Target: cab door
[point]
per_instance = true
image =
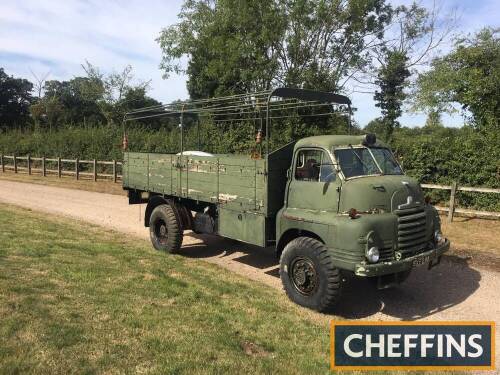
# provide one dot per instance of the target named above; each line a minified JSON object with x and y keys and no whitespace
{"x":314,"y":183}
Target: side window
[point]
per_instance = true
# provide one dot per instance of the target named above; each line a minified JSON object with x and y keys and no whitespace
{"x":314,"y":165}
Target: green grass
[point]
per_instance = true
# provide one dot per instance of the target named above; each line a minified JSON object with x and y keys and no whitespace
{"x":75,"y":298}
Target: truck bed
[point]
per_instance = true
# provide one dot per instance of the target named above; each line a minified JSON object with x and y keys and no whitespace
{"x":243,"y":188}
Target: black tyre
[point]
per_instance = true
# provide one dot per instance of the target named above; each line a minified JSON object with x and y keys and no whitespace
{"x":165,"y":229}
{"x":308,"y":274}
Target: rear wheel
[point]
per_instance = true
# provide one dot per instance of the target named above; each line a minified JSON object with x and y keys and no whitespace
{"x":308,"y":274}
{"x":165,"y":229}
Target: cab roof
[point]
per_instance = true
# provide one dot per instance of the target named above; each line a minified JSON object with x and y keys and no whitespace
{"x":330,"y":141}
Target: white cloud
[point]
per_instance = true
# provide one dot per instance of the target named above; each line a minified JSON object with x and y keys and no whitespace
{"x":58,"y":36}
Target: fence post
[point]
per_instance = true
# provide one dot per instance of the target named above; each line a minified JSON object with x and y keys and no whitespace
{"x":29,"y":164}
{"x":44,"y":170}
{"x":95,"y":170}
{"x":452,"y":201}
{"x":1,"y":161}
{"x":114,"y":170}
{"x":59,"y":167}
{"x":15,"y":164}
{"x":77,"y":171}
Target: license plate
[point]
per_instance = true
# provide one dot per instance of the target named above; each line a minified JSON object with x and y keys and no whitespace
{"x":421,"y":261}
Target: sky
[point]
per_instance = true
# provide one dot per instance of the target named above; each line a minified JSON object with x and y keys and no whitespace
{"x":56,"y":37}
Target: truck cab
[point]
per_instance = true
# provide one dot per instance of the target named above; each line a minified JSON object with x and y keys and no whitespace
{"x":348,"y":197}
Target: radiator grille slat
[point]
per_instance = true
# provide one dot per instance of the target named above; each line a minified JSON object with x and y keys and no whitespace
{"x":411,"y":230}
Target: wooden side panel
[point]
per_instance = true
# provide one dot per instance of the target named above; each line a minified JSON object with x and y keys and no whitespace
{"x":160,"y":173}
{"x":235,"y":182}
{"x":136,"y":166}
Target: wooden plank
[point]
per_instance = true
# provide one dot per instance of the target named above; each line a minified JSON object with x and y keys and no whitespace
{"x":59,"y":167}
{"x":478,"y":189}
{"x":44,"y":169}
{"x":15,"y":164}
{"x":461,"y":188}
{"x":452,"y":202}
{"x":467,"y":212}
{"x":95,"y":170}
{"x":114,"y":170}
{"x":77,"y":169}
{"x":434,"y":186}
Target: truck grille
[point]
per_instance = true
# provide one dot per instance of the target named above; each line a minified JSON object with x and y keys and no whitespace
{"x":411,"y":231}
{"x":386,"y":252}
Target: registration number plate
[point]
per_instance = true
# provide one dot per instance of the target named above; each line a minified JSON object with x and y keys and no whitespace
{"x":421,"y":261}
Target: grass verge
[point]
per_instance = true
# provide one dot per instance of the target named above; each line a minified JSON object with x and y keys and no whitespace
{"x":77,"y":298}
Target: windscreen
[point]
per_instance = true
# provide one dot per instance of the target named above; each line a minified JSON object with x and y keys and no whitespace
{"x":362,"y":161}
{"x":386,"y":161}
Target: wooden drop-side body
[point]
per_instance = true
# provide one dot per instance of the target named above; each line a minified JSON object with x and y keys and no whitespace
{"x":247,"y":193}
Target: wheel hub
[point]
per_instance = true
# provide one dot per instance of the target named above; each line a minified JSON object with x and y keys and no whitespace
{"x":161,"y":231}
{"x":303,"y":275}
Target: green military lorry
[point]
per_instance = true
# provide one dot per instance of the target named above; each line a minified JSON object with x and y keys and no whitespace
{"x":332,"y":205}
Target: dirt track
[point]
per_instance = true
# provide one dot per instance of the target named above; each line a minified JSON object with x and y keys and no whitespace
{"x":453,"y":291}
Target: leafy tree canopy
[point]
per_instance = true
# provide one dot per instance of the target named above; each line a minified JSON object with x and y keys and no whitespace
{"x":468,"y":75}
{"x":15,"y":99}
{"x":239,"y":46}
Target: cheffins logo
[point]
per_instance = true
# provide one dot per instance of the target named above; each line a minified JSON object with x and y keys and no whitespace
{"x":412,"y":345}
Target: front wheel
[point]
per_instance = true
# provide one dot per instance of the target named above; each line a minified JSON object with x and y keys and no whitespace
{"x":165,"y":229}
{"x":308,"y":275}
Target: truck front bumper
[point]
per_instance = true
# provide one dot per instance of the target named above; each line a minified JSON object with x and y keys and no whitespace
{"x":430,"y":257}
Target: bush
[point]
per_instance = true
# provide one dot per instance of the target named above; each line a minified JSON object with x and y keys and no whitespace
{"x":444,"y":155}
{"x":431,"y":154}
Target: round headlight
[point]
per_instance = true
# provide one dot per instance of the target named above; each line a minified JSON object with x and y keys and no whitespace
{"x":438,"y":237}
{"x":372,"y":254}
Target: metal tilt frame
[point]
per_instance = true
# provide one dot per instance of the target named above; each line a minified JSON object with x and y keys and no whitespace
{"x":241,"y":107}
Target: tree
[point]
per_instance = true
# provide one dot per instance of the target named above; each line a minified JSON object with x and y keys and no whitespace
{"x":376,"y":126}
{"x":433,"y":119}
{"x":108,"y":91}
{"x":39,"y":82}
{"x":240,"y":46}
{"x":468,"y":75}
{"x":391,"y":79}
{"x":413,"y":35}
{"x":77,"y":108}
{"x":15,"y":99}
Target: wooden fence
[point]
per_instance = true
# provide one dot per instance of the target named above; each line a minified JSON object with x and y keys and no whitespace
{"x":77,"y":172}
{"x":59,"y":167}
{"x":452,"y":210}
